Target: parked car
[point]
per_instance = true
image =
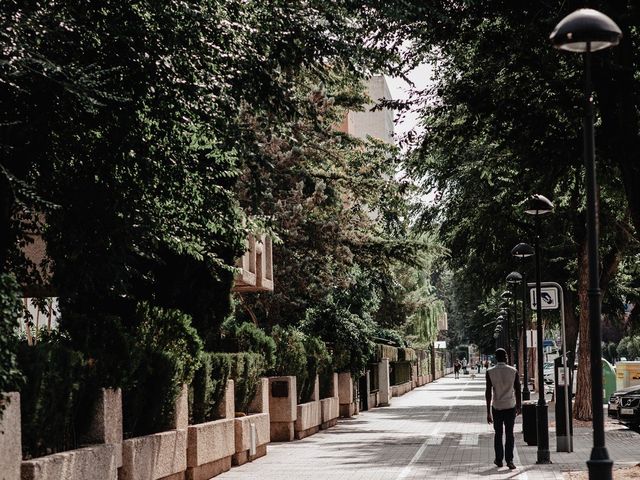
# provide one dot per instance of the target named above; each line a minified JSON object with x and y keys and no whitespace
{"x":625,"y":405}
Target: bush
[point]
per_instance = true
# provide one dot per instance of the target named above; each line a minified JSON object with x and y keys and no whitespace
{"x":291,"y":356}
{"x":318,"y":363}
{"x":349,"y":335}
{"x":407,"y":355}
{"x":246,"y":337}
{"x":246,"y":370}
{"x":622,"y":349}
{"x":300,"y":355}
{"x":166,"y":354}
{"x":56,"y":395}
{"x":210,"y":381}
{"x":208,"y":386}
{"x":10,"y":311}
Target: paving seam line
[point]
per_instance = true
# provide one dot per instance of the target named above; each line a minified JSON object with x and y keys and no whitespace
{"x":407,"y":469}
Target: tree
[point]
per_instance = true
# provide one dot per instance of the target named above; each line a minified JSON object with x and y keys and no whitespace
{"x":496,"y":128}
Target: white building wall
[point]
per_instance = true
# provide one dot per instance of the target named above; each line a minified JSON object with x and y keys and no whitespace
{"x":378,"y":123}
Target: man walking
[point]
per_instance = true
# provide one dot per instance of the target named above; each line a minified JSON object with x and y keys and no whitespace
{"x":502,"y":394}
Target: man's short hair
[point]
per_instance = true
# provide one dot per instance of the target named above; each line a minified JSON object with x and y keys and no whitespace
{"x":501,"y":355}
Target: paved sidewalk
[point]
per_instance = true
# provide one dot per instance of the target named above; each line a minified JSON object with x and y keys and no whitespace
{"x":437,"y":431}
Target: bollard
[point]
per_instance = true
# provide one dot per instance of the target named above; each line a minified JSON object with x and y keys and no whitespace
{"x":529,"y":431}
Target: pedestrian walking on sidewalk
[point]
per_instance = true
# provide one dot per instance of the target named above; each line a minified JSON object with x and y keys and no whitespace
{"x":456,"y":369}
{"x":502,"y":394}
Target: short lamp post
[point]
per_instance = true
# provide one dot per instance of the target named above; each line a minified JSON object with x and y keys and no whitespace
{"x":513,"y":279}
{"x":540,"y":205}
{"x":585,"y":31}
{"x":522,"y":251}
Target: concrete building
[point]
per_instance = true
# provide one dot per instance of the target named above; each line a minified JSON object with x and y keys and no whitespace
{"x":374,"y":123}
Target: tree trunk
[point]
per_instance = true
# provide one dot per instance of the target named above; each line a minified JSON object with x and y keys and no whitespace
{"x":571,"y":321}
{"x":582,"y":405}
{"x":610,"y":263}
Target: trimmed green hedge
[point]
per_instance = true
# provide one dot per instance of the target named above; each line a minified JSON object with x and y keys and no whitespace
{"x":385,"y":351}
{"x":210,"y":381}
{"x":407,"y":355}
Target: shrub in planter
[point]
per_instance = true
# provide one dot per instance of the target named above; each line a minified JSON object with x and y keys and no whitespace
{"x":209,"y":383}
{"x":246,"y":370}
{"x":246,"y":337}
{"x":318,"y":362}
{"x":56,"y":395}
{"x":167,"y":353}
{"x":300,"y":355}
{"x":407,"y":355}
{"x":291,"y":355}
{"x":208,"y":386}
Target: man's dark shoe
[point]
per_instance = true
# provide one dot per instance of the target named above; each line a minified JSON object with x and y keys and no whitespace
{"x":511,"y":466}
{"x":498,"y":463}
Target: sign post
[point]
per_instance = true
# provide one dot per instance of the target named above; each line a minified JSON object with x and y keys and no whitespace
{"x":552,"y":298}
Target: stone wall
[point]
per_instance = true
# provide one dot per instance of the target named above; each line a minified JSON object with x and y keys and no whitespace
{"x":10,"y":436}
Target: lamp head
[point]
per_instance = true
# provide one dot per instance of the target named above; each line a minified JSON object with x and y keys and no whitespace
{"x":522,"y":250}
{"x":514,"y":277}
{"x":585,"y":30}
{"x":539,"y":205}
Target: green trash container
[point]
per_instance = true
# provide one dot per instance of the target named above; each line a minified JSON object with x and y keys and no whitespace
{"x":529,"y":430}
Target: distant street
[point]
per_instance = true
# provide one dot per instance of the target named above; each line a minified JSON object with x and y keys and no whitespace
{"x":438,"y":431}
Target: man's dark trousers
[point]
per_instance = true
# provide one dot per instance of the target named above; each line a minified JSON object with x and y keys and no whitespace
{"x":504,"y":418}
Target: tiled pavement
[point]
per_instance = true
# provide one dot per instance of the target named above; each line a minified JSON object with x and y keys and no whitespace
{"x":437,"y":431}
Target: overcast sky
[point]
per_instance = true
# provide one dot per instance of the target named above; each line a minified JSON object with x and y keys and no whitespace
{"x":421,"y":77}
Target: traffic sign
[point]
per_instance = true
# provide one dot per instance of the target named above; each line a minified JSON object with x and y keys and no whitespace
{"x":549,"y":297}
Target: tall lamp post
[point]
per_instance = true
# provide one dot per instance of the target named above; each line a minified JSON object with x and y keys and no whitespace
{"x":501,"y":324}
{"x":585,"y":31}
{"x":504,"y":306}
{"x":522,"y":251}
{"x":513,"y":279}
{"x":506,"y":295}
{"x":539,"y":205}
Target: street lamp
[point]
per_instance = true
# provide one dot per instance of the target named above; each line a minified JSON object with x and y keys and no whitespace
{"x":522,"y":251}
{"x":540,"y":205}
{"x":513,"y":279}
{"x":506,"y":295}
{"x":501,"y":324}
{"x":586,"y":31}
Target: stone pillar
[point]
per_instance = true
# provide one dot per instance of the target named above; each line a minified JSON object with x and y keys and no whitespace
{"x":369,"y":403}
{"x":10,"y":436}
{"x":227,"y":408}
{"x":260,"y":402}
{"x":315,"y":395}
{"x":333,"y":389}
{"x":283,"y":397}
{"x":384,"y":387}
{"x":106,"y":422}
{"x":345,"y":393}
{"x":180,"y":418}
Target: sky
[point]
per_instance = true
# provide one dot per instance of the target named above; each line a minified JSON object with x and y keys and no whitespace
{"x":421,"y":76}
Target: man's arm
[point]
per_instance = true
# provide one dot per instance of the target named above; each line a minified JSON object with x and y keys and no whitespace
{"x":516,"y":387}
{"x":487,"y":396}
